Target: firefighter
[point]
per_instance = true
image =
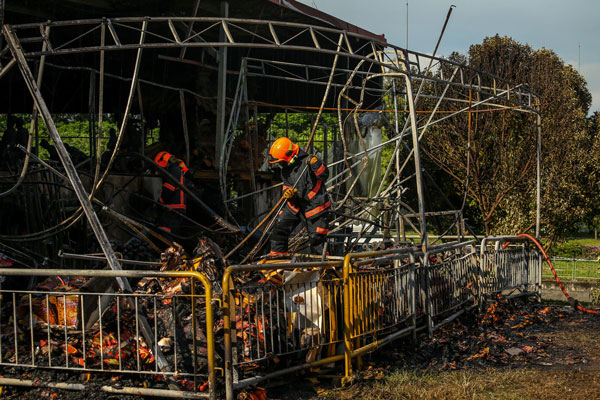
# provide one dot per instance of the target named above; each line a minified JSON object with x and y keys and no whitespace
{"x":171,"y":195}
{"x":308,"y":201}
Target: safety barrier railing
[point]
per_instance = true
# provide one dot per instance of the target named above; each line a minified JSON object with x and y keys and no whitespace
{"x":158,"y":340}
{"x":286,"y":321}
{"x":379,"y":300}
{"x":510,"y":264}
{"x":574,"y":269}
{"x":450,"y":273}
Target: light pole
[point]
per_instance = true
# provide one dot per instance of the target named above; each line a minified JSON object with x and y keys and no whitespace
{"x":406,"y":24}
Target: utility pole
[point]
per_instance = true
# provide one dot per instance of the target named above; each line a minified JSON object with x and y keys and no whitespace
{"x":406,"y":24}
{"x":579,"y":57}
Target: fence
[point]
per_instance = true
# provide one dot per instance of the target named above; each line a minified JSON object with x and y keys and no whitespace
{"x":276,"y":318}
{"x":512,"y":265}
{"x":451,"y":279}
{"x":574,"y":269}
{"x":282,"y":322}
{"x":155,"y":335}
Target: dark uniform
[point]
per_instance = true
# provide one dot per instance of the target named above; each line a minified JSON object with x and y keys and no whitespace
{"x":311,"y":203}
{"x":171,"y":195}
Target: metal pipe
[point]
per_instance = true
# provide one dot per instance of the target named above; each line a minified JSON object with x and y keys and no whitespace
{"x":538,"y":186}
{"x":221,"y":91}
{"x":418,"y":171}
{"x":8,"y":66}
{"x":186,"y":137}
{"x":381,"y":342}
{"x":88,"y":257}
{"x":109,"y":389}
{"x":100,"y":107}
{"x":257,"y":379}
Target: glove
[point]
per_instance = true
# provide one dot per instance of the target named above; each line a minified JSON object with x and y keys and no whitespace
{"x":290,"y":193}
{"x":310,"y":159}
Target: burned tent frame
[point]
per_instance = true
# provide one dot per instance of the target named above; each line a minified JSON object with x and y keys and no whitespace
{"x":346,"y":74}
{"x":373,"y":60}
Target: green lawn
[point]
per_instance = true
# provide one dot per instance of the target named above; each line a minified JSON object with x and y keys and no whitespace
{"x":585,"y":242}
{"x":573,"y":270}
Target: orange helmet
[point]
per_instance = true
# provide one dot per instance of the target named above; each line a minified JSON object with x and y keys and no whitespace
{"x":162,"y":158}
{"x":283,"y":149}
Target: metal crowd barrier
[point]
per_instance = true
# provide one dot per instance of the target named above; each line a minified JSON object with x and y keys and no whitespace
{"x":155,"y":336}
{"x":379,"y":300}
{"x":574,"y":269}
{"x":511,"y":264}
{"x":451,"y":273}
{"x":289,"y":322}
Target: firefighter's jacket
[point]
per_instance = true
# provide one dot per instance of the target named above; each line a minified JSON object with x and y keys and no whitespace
{"x":312,"y":199}
{"x":171,"y":195}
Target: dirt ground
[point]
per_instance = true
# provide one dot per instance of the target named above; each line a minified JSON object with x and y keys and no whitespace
{"x":514,"y":350}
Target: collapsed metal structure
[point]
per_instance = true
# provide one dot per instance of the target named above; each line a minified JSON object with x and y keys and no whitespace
{"x":349,"y":73}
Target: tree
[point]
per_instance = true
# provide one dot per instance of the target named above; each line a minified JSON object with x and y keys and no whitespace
{"x":499,"y":169}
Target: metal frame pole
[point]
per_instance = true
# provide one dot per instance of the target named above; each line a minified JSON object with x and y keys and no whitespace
{"x":64,"y":155}
{"x":100,"y":106}
{"x":2,"y":6}
{"x":221,"y":91}
{"x":538,"y":172}
{"x":417,"y":156}
{"x":186,"y":136}
{"x":397,"y":158}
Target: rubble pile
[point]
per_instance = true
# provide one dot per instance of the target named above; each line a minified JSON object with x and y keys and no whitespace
{"x":505,"y":333}
{"x":113,"y":341}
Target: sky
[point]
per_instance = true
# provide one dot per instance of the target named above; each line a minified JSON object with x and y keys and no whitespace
{"x":570,"y":27}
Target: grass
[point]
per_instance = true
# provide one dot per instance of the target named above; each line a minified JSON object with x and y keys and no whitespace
{"x":529,"y":383}
{"x":585,"y":242}
{"x":569,"y":270}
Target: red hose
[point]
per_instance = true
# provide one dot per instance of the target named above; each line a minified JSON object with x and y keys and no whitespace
{"x":571,"y":300}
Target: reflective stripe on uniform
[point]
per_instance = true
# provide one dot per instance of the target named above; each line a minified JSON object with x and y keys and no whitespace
{"x":181,"y":196}
{"x":294,"y":209}
{"x":317,"y":210}
{"x":169,"y":186}
{"x":322,"y":231}
{"x":314,"y":192}
{"x":176,"y":206}
{"x":320,"y":170}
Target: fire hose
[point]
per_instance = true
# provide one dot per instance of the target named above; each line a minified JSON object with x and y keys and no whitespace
{"x":574,"y":303}
{"x":276,"y":209}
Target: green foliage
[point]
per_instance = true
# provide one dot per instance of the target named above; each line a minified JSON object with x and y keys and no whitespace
{"x":74,"y":130}
{"x":300,"y":125}
{"x":595,"y":296}
{"x":567,"y":250}
{"x":500,"y":171}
